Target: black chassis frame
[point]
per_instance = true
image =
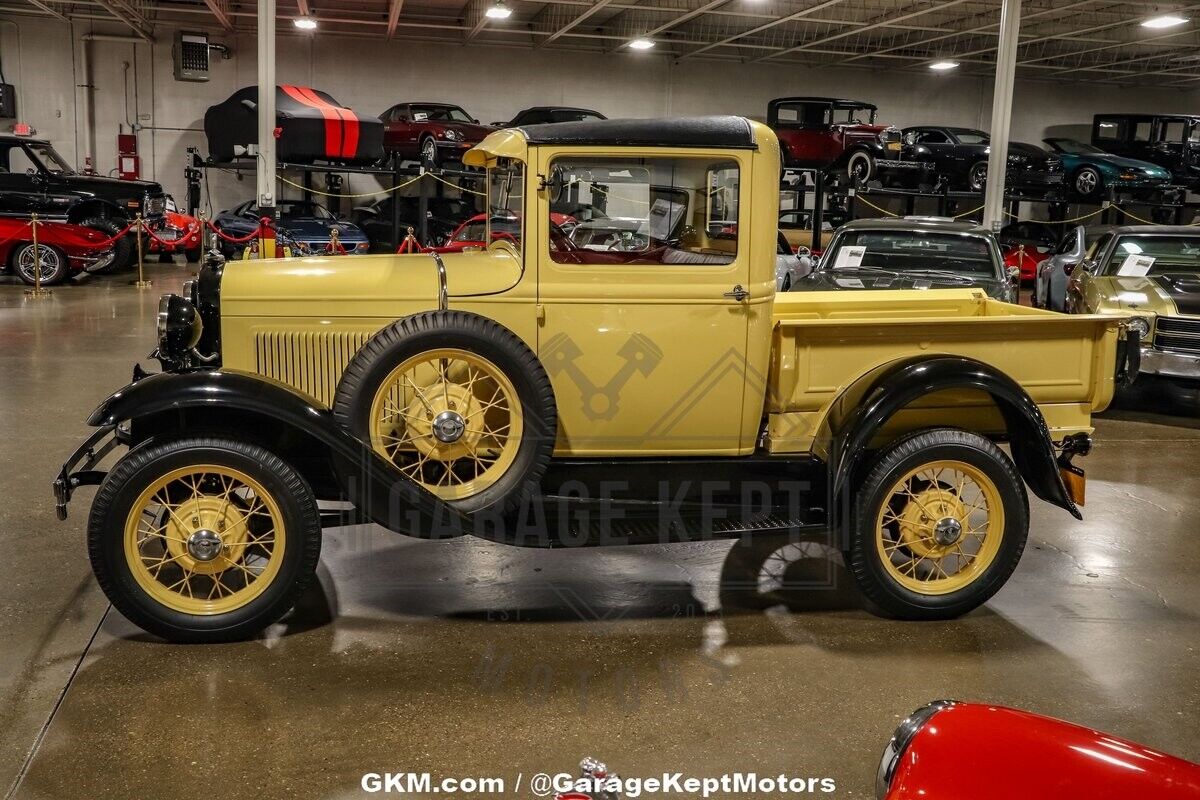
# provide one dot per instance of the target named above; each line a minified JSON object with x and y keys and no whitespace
{"x":341,"y":467}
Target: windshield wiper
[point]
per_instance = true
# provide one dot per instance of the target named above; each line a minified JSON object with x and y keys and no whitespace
{"x":943,"y":273}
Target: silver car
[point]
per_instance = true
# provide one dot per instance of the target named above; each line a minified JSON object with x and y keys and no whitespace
{"x":1054,"y":273}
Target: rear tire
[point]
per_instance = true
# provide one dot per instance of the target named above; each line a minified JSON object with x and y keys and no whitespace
{"x":124,"y":249}
{"x":53,"y":267}
{"x":203,"y":539}
{"x":939,"y":524}
{"x":977,"y":176}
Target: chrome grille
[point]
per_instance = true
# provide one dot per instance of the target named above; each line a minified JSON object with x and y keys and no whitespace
{"x":311,"y":361}
{"x":1177,"y":333}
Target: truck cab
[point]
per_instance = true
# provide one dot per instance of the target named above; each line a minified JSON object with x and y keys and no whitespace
{"x":450,"y":393}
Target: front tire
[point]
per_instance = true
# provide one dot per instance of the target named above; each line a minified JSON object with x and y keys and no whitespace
{"x":124,"y":249}
{"x":860,"y":169}
{"x":977,"y":176}
{"x":429,"y":152}
{"x":53,"y":264}
{"x":458,"y":404}
{"x":939,"y":524}
{"x":203,"y":539}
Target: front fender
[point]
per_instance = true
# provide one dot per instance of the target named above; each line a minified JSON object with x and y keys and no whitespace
{"x":237,"y":403}
{"x":868,"y":404}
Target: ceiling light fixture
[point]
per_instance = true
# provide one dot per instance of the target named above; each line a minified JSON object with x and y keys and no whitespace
{"x":1165,"y":21}
{"x":499,"y":11}
{"x":641,"y":44}
{"x":943,"y":66}
{"x":305,"y":23}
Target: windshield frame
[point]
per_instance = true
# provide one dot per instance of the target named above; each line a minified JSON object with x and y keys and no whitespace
{"x":41,"y":152}
{"x":515,"y":171}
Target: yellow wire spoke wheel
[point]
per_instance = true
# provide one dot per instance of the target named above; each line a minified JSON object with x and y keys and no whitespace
{"x":450,"y":420}
{"x":940,"y":527}
{"x":204,"y":539}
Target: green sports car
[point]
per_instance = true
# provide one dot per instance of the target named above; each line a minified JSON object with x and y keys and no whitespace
{"x":1091,"y":171}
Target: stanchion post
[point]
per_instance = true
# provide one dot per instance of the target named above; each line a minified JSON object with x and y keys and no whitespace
{"x":38,"y":290}
{"x":139,"y":227}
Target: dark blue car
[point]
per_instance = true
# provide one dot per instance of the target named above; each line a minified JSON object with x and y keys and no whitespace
{"x":307,"y":223}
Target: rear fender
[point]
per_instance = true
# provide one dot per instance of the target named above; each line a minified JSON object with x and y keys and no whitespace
{"x":863,"y":409}
{"x":248,"y":406}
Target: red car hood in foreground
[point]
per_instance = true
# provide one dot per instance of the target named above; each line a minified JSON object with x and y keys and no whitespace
{"x":967,"y":751}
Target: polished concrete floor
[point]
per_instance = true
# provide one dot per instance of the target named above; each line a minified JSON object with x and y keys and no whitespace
{"x":466,"y":658}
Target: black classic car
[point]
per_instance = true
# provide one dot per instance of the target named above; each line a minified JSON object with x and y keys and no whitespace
{"x":35,"y":178}
{"x":961,"y":155}
{"x":1169,"y":140}
{"x":912,"y":253}
{"x":539,"y":115}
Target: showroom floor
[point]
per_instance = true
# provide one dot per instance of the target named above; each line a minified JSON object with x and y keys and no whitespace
{"x":466,"y":658}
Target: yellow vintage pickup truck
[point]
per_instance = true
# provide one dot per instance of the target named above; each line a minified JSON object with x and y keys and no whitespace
{"x":620,"y":320}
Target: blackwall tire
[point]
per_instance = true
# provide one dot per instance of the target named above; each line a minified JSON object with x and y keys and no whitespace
{"x":902,"y":546}
{"x":401,"y":383}
{"x":124,"y":249}
{"x":1088,"y":183}
{"x":261,"y":512}
{"x":977,"y":176}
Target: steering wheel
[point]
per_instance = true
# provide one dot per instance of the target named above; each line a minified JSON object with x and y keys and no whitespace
{"x":560,"y":241}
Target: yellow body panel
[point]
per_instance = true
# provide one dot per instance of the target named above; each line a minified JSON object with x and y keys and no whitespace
{"x":655,"y":359}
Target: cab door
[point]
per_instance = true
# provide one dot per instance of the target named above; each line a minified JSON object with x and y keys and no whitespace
{"x":644,"y":308}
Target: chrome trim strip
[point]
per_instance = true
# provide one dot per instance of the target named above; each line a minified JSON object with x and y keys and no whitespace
{"x":443,"y":290}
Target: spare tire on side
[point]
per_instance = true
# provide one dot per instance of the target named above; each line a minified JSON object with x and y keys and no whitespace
{"x":457,"y":403}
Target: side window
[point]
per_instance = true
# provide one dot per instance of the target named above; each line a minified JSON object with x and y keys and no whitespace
{"x":20,"y":163}
{"x":932,"y":137}
{"x":1098,"y":246}
{"x":1171,"y":131}
{"x":1142,"y":130}
{"x":1110,"y":130}
{"x":680,"y":211}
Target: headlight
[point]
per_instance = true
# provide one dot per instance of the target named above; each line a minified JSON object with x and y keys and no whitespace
{"x":1141,"y":325}
{"x":901,"y":739}
{"x":453,"y":136}
{"x":179,"y":326}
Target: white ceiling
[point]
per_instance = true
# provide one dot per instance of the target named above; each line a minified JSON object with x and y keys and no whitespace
{"x":1085,"y":40}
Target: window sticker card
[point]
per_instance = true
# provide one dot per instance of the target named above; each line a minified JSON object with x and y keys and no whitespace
{"x":1135,"y":266}
{"x":849,"y":283}
{"x":850,"y":256}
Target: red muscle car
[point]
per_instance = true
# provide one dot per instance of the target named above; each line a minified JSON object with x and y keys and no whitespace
{"x":178,"y":233}
{"x":431,"y":132}
{"x":843,"y":138}
{"x":64,"y":249}
{"x":969,"y":751}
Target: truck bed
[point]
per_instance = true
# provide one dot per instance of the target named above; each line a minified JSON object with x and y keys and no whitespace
{"x":823,"y":341}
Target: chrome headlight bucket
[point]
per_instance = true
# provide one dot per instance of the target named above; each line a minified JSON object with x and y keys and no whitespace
{"x":179,"y":327}
{"x":1141,"y":324}
{"x":901,"y":739}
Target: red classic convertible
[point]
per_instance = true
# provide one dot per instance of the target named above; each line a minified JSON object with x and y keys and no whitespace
{"x":471,"y":233}
{"x":969,"y":751}
{"x":179,"y":233}
{"x":64,"y":249}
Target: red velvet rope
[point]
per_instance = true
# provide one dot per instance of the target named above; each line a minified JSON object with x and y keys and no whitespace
{"x":410,"y":245}
{"x":112,"y":239}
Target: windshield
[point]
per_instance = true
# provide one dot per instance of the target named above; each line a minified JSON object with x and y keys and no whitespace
{"x":1073,"y":147}
{"x":50,"y":159}
{"x":1136,"y":255}
{"x":440,"y":113}
{"x":293,"y":209}
{"x":820,"y":114}
{"x":913,"y":251}
{"x":506,"y":200}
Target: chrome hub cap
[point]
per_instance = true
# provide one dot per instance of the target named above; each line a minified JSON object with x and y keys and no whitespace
{"x":204,"y":545}
{"x":947,"y":531}
{"x":448,"y":427}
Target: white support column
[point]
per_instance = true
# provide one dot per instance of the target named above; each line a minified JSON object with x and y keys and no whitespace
{"x":1006,"y":64}
{"x":266,"y":104}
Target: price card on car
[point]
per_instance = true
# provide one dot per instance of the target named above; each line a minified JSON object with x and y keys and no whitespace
{"x":850,"y":256}
{"x":1135,"y":266}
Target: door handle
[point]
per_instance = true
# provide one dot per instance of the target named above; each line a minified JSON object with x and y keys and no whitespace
{"x":738,"y":293}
